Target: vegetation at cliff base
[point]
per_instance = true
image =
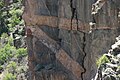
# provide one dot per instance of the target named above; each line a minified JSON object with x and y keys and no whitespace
{"x":109,"y":63}
{"x":13,"y":52}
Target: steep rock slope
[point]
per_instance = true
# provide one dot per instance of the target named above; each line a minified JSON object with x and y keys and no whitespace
{"x":61,"y":43}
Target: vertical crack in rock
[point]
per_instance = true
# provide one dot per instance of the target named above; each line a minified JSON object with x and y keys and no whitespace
{"x":47,"y":6}
{"x":74,"y":12}
{"x":84,"y":44}
{"x":77,"y":20}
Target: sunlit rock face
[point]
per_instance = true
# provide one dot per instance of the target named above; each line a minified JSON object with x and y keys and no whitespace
{"x":61,"y":43}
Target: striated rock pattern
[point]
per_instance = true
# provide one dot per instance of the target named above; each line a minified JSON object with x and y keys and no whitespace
{"x":61,"y":43}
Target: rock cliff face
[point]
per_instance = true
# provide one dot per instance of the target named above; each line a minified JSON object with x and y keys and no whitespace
{"x":64,"y":39}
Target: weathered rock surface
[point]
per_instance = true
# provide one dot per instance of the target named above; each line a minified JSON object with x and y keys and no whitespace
{"x":110,"y":70}
{"x":61,"y":44}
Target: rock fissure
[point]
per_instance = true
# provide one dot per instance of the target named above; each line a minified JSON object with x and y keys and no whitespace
{"x":74,"y":13}
{"x":84,"y":45}
{"x":77,"y":20}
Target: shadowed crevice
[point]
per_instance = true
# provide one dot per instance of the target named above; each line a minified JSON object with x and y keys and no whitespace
{"x":74,"y":12}
{"x":84,"y":45}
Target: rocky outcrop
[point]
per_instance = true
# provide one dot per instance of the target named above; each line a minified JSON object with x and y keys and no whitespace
{"x":61,"y":43}
{"x":110,"y":70}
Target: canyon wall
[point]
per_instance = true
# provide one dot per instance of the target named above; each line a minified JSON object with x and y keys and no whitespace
{"x":66,"y":37}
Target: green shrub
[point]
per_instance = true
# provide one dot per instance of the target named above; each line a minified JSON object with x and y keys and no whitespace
{"x":1,"y":67}
{"x":5,"y":39}
{"x":6,"y":52}
{"x":9,"y":76}
{"x":9,"y":51}
{"x":102,"y":60}
{"x":12,"y":64}
{"x":21,"y":52}
{"x":10,"y":15}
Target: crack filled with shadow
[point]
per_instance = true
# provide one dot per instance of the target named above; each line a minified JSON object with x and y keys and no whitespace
{"x":84,"y":44}
{"x":77,"y":20}
{"x":74,"y":12}
{"x":75,"y":15}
